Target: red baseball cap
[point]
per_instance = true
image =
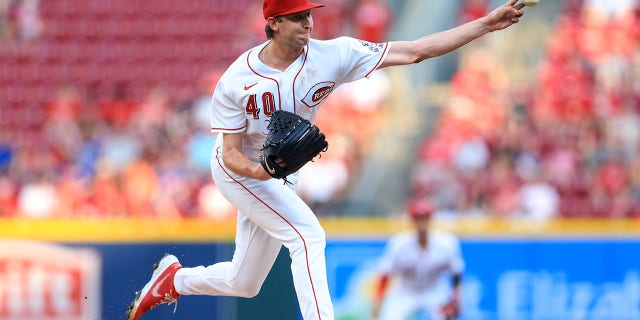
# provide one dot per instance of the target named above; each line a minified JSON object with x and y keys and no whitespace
{"x":274,"y":8}
{"x":420,"y":207}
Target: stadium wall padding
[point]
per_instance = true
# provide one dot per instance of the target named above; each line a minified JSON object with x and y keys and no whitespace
{"x":516,"y":270}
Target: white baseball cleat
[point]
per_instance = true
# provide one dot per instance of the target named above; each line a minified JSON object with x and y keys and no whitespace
{"x":158,"y":290}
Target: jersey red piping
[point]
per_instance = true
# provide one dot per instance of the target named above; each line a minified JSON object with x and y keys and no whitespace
{"x":272,"y":79}
{"x":386,"y":47}
{"x":285,"y":220}
{"x":228,"y":129}
{"x":293,"y":85}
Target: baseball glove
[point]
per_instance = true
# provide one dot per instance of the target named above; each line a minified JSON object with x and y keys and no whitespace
{"x":291,"y":142}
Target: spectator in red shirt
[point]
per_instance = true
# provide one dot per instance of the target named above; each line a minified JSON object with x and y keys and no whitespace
{"x":372,"y":20}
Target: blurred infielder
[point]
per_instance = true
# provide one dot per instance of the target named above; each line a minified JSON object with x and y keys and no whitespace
{"x":419,"y":261}
{"x":292,"y":72}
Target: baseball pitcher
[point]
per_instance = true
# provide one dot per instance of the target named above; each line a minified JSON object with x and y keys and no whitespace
{"x":262,"y":109}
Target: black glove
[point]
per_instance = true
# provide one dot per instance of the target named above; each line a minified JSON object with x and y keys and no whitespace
{"x":291,"y":142}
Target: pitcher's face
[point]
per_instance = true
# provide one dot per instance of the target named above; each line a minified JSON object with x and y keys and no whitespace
{"x":295,"y":28}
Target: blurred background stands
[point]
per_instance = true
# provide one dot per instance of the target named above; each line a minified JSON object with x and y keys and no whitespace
{"x":104,"y":110}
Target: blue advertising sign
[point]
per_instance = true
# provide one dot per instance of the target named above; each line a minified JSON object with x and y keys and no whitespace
{"x":511,"y":279}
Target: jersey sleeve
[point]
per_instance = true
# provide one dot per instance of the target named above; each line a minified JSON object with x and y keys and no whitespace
{"x":226,"y":115}
{"x":361,"y":57}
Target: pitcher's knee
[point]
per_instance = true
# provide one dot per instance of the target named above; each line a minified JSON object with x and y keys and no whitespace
{"x":309,"y":242}
{"x":317,"y":239}
{"x":317,"y":242}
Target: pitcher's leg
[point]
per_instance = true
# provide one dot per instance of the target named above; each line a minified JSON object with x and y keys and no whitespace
{"x":308,"y":268}
{"x":255,"y":253}
{"x":288,"y":219}
{"x":278,"y":210}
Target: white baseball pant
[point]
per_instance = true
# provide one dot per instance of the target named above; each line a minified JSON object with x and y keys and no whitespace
{"x":270,"y":214}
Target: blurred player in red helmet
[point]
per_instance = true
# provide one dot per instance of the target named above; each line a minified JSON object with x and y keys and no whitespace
{"x":418,"y":260}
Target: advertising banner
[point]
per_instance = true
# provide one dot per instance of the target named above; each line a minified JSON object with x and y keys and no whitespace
{"x":90,"y":270}
{"x":511,"y":279}
{"x":41,"y":281}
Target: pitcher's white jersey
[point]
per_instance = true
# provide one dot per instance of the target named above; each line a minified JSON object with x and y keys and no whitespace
{"x":250,"y":91}
{"x":270,"y":213}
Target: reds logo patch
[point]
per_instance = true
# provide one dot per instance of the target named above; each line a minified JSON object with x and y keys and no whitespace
{"x":374,"y":47}
{"x":318,"y":93}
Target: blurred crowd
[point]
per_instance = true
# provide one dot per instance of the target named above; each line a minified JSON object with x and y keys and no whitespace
{"x":110,"y":141}
{"x":567,"y":147}
{"x":105,"y":143}
{"x":20,"y":20}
